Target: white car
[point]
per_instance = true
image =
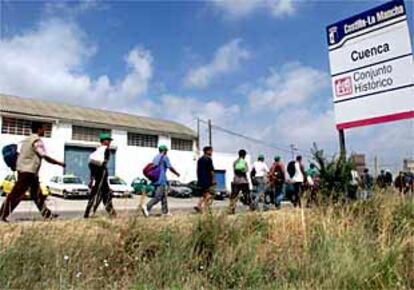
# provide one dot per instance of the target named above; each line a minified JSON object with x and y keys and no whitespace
{"x":67,"y":186}
{"x":119,"y":187}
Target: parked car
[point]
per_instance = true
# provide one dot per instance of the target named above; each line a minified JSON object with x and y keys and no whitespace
{"x":141,"y":185}
{"x":195,"y":190}
{"x":119,"y":187}
{"x":178,"y":189}
{"x":9,"y":181}
{"x":67,"y":186}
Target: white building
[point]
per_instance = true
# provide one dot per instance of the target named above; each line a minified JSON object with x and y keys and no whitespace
{"x":73,"y":135}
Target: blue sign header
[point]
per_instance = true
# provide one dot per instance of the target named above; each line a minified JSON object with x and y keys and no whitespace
{"x":368,"y":19}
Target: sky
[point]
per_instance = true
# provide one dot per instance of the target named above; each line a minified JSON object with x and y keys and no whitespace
{"x":259,"y":68}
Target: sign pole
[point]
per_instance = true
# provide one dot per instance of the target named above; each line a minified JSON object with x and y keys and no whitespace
{"x":342,"y":145}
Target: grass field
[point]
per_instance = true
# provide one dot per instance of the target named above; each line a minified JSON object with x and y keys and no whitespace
{"x":366,"y":245}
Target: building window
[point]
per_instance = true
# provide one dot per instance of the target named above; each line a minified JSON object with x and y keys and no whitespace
{"x":142,"y":140}
{"x":15,"y":126}
{"x":181,"y":144}
{"x":87,"y":133}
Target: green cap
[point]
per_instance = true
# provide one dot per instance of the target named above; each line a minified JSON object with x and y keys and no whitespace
{"x":163,"y":148}
{"x":277,"y":158}
{"x":261,"y":156}
{"x":105,"y":136}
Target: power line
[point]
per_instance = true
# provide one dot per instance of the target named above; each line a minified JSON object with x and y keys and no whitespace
{"x":264,"y":143}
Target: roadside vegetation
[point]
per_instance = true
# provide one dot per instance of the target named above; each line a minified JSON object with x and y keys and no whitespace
{"x":364,"y":245}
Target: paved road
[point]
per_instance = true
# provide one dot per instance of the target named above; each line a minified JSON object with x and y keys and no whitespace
{"x":74,"y":208}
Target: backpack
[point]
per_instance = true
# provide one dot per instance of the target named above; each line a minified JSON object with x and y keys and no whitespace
{"x":253,"y":176}
{"x":153,"y":171}
{"x":240,"y":166}
{"x":291,"y":169}
{"x":10,"y":155}
{"x":279,"y":174}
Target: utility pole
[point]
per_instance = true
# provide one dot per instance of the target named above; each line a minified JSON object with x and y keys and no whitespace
{"x":210,"y":137}
{"x":198,"y":136}
{"x":293,"y":150}
{"x":376,"y":167}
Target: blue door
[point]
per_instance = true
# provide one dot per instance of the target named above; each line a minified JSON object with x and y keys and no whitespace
{"x":77,"y":159}
{"x":220,"y":179}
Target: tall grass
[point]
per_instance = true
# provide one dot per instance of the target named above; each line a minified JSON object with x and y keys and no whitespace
{"x":365,"y":245}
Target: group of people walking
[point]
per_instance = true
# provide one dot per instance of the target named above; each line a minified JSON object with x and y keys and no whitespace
{"x":269,"y":184}
{"x":260,"y":183}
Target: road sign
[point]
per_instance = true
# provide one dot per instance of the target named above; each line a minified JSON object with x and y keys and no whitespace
{"x":372,"y":68}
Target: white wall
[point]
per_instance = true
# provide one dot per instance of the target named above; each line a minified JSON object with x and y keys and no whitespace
{"x":130,"y":160}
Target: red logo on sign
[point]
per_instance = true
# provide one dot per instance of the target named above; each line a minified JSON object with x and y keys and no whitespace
{"x":343,"y":87}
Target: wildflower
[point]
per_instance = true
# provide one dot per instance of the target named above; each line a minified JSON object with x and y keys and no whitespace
{"x":66,"y":258}
{"x":78,"y":275}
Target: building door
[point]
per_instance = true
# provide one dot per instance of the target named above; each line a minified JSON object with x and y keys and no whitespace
{"x":220,"y":176}
{"x":77,"y":159}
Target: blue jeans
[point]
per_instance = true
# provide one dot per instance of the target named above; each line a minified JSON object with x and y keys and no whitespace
{"x":257,"y":193}
{"x":279,"y":195}
{"x":160,"y":195}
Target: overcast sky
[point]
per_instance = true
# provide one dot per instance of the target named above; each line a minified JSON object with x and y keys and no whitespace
{"x":256,"y":67}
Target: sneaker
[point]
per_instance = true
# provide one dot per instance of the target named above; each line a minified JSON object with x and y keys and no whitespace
{"x":52,"y":216}
{"x":4,"y":220}
{"x":144,"y":210}
{"x":168,"y":214}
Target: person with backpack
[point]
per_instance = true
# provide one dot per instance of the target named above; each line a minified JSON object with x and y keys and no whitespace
{"x":261,"y":170}
{"x":296,"y":180}
{"x":277,"y":179}
{"x":388,"y":178}
{"x":162,"y":162}
{"x":205,"y":179}
{"x":98,"y":166}
{"x":353,"y":185}
{"x":28,"y":164}
{"x":382,"y":180}
{"x":367,"y":184}
{"x":240,"y":181}
{"x":312,"y":181}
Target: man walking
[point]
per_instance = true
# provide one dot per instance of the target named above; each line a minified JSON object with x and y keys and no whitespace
{"x":297,"y":173}
{"x":240,"y":182}
{"x":161,"y":185}
{"x":205,"y":179}
{"x":29,"y":161}
{"x":382,"y":180}
{"x":260,"y":169}
{"x":367,"y":184}
{"x":277,"y":178}
{"x":98,"y":162}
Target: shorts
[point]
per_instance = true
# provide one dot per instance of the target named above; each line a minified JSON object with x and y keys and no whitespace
{"x":210,"y":189}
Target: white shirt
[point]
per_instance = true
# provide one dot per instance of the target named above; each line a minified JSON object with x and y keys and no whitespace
{"x":354,"y":177}
{"x":298,"y":177}
{"x":98,"y":156}
{"x":261,"y":168}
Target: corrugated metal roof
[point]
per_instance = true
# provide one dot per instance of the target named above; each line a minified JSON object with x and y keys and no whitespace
{"x":77,"y":114}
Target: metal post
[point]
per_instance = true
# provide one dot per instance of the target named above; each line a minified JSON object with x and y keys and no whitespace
{"x":198,"y":135}
{"x":210,"y":137}
{"x":342,"y":146}
{"x":293,"y":150}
